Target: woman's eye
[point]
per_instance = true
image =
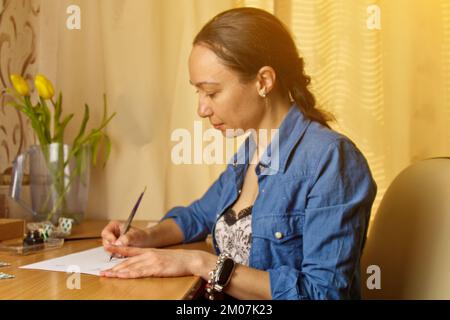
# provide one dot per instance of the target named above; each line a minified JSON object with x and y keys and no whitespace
{"x":209,"y":95}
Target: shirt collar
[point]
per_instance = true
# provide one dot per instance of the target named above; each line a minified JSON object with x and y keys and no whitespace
{"x":284,"y":140}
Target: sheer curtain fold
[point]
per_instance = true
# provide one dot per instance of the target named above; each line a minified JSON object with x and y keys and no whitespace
{"x":136,"y":52}
{"x":387,"y":84}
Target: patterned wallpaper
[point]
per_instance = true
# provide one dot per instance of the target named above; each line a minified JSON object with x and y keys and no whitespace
{"x":18,"y":31}
{"x":18,"y":50}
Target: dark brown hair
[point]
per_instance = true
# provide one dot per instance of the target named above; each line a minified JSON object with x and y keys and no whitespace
{"x":247,"y":39}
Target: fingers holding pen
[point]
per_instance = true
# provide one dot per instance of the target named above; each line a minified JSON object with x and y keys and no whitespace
{"x":111,"y":232}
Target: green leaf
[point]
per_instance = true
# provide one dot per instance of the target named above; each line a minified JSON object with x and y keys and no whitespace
{"x":66,"y":120}
{"x":104,"y":123}
{"x":59,"y":105}
{"x":108,"y":149}
{"x":31,"y":112}
{"x":82,"y":164}
{"x":83,"y":125}
{"x":43,"y":115}
{"x":46,"y":118}
{"x":95,"y":142}
{"x":59,"y":135}
{"x":56,"y":119}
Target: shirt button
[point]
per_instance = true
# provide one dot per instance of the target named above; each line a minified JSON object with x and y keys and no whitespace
{"x":278,"y":235}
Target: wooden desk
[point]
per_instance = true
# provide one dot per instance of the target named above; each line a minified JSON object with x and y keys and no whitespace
{"x":38,"y":284}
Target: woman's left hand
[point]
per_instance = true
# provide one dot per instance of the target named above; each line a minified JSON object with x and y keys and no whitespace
{"x":154,"y":262}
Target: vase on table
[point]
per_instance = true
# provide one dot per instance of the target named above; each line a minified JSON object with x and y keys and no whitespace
{"x":59,"y":182}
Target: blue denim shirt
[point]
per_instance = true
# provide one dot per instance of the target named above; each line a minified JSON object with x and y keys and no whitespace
{"x":310,"y":217}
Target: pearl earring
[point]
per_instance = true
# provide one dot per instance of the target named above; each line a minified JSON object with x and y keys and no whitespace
{"x":262,"y":94}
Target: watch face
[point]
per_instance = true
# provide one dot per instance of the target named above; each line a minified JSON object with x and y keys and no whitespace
{"x":225,"y":272}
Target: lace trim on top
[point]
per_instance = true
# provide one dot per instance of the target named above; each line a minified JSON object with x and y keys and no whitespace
{"x":234,"y":234}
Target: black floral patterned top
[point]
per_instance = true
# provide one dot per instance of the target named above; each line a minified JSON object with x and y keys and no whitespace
{"x":234,"y":234}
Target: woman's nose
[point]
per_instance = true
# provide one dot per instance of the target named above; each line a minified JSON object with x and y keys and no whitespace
{"x":204,"y":110}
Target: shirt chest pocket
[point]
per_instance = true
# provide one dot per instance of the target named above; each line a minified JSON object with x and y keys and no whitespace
{"x":279,"y":228}
{"x":277,"y":239}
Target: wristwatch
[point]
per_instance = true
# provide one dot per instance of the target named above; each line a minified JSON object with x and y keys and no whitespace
{"x":220,"y":276}
{"x":224,"y":272}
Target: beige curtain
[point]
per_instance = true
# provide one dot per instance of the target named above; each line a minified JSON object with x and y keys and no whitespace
{"x":136,"y":51}
{"x":386,"y":80}
{"x":388,"y":84}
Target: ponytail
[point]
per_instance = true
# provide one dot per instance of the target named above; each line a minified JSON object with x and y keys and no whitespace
{"x":303,"y":98}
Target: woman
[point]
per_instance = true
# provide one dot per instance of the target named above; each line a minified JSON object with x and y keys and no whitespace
{"x":286,"y":227}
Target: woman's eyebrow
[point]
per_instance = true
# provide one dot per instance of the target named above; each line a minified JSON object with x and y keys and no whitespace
{"x":202,"y":83}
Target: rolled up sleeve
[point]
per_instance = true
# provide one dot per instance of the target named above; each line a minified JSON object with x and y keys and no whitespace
{"x":337,"y":215}
{"x":197,"y":219}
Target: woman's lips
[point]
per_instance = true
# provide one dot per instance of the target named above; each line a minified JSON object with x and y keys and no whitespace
{"x":218,"y":126}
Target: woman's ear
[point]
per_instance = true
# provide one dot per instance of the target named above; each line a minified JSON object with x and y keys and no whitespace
{"x":265,"y":80}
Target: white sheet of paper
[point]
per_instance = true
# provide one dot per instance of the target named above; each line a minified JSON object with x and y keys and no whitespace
{"x":89,"y":262}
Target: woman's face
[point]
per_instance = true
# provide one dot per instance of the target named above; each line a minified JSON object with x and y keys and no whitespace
{"x":228,"y":103}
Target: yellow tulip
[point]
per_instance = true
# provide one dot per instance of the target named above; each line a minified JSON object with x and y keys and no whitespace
{"x":44,"y":87}
{"x":20,"y":84}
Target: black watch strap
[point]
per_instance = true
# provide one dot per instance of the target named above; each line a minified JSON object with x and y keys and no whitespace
{"x":220,"y":277}
{"x":225,"y":272}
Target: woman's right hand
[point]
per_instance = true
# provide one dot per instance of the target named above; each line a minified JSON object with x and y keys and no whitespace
{"x":135,"y":237}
